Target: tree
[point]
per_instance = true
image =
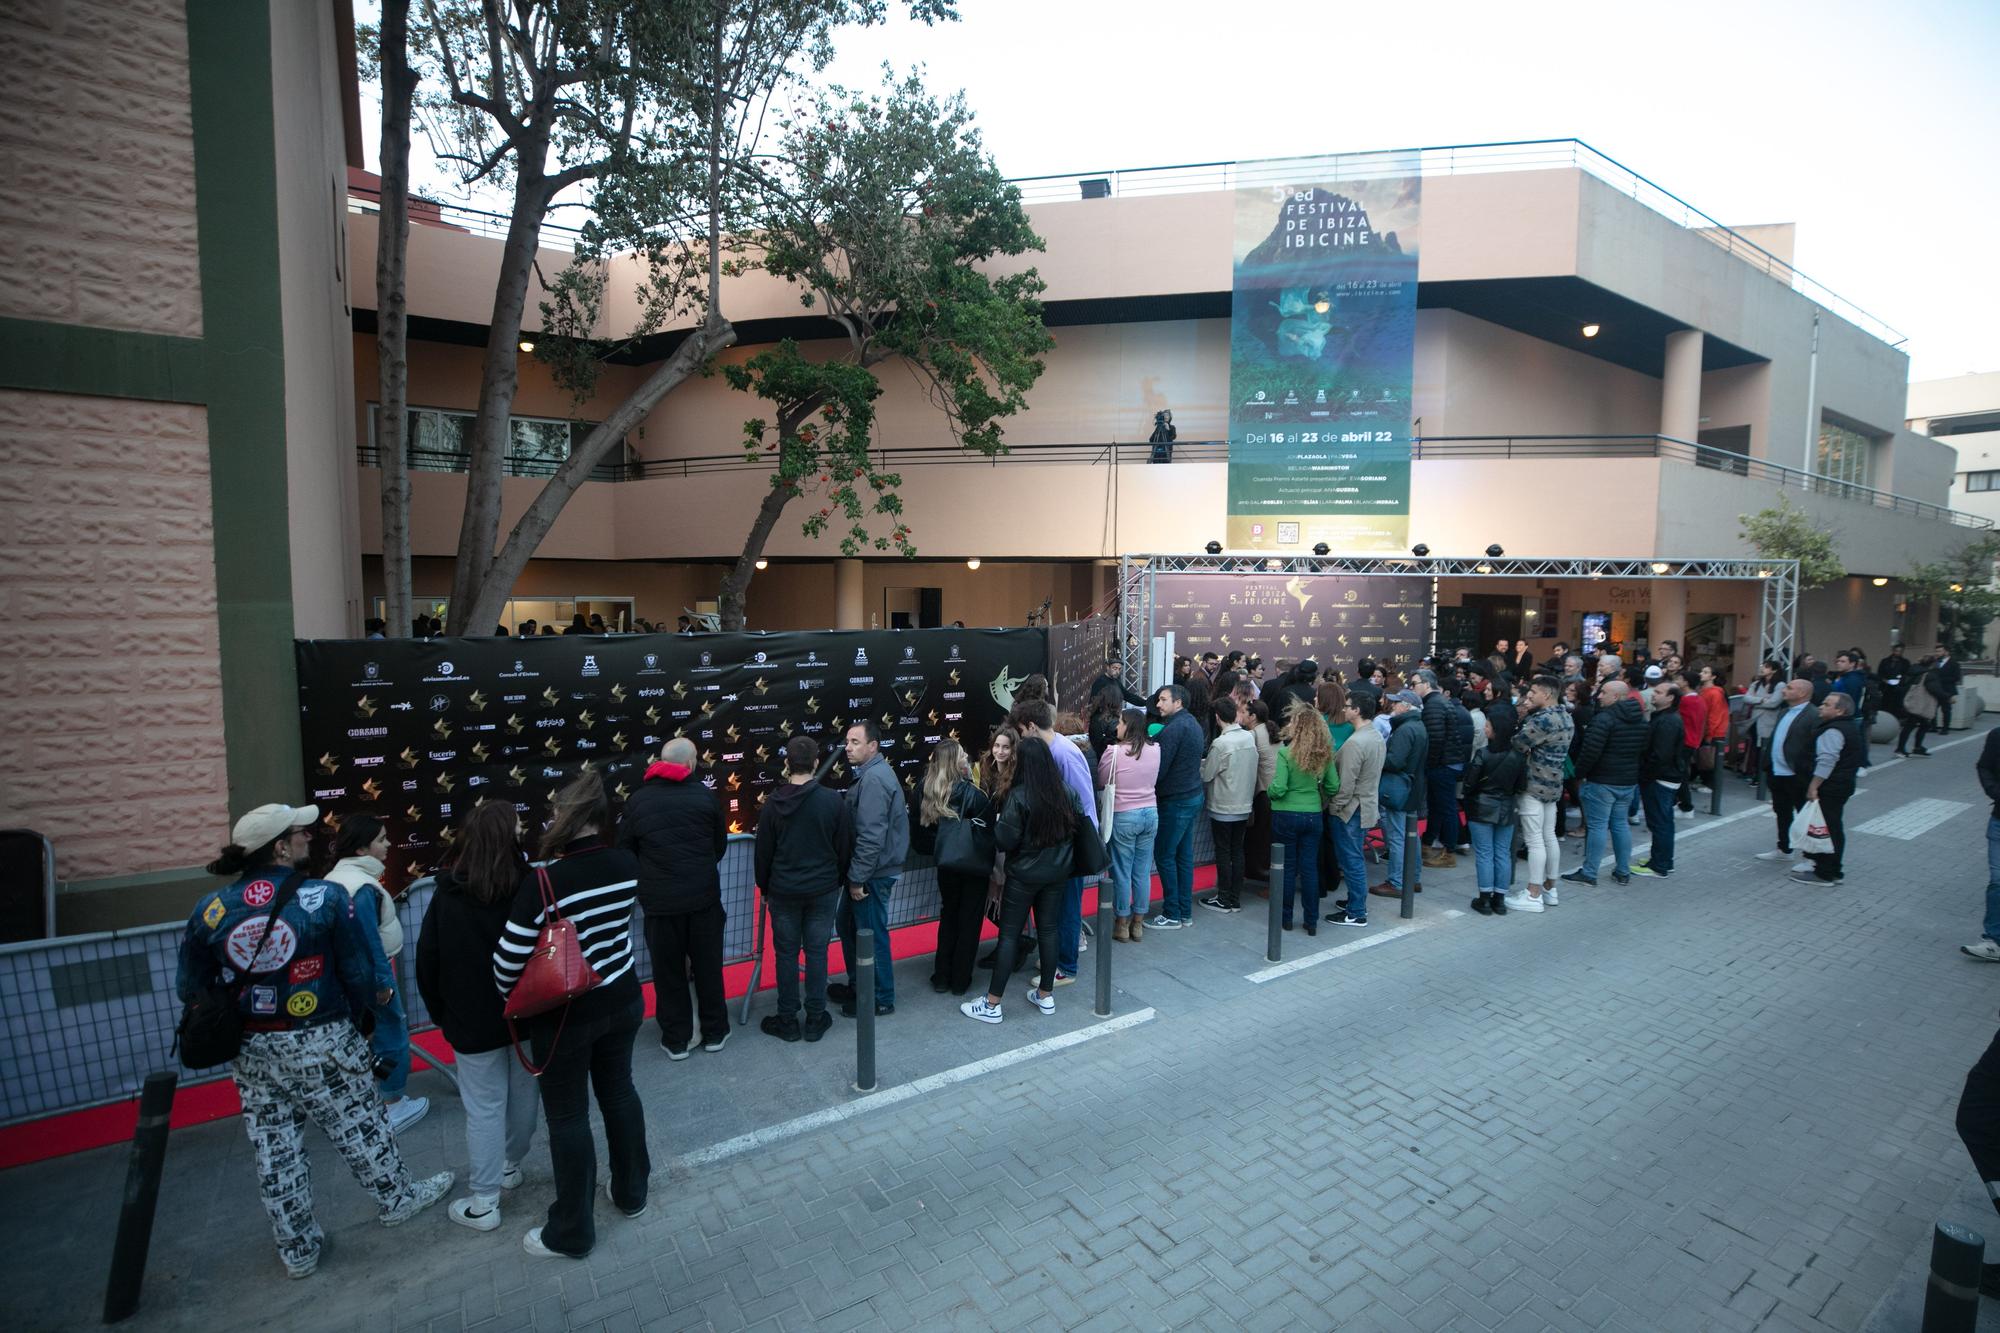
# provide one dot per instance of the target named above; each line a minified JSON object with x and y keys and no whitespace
{"x":1960,"y":587}
{"x":390,"y":45}
{"x":648,"y":111}
{"x":882,"y":211}
{"x":1786,"y":532}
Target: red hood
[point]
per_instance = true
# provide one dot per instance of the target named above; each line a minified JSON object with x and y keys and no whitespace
{"x":659,"y":768}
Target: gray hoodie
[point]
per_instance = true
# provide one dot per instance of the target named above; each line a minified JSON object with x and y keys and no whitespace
{"x":881,"y":823}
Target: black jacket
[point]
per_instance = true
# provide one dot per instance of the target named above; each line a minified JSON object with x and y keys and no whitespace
{"x":1496,"y":776}
{"x":1107,"y":678}
{"x":1666,"y":754}
{"x":675,"y":828}
{"x":1989,"y":769}
{"x":1030,"y":866}
{"x":1449,"y":727}
{"x":1612,"y":747}
{"x":967,"y":802}
{"x":1944,"y":681}
{"x":455,"y":966}
{"x":805,"y":835}
{"x":1800,"y":741}
{"x":1405,"y":756}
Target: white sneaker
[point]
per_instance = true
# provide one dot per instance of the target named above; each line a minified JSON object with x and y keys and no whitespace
{"x":406,"y":1112}
{"x":477,"y":1213}
{"x":1683,"y":814}
{"x":1774,"y":856}
{"x":981,"y":1010}
{"x":532,"y":1243}
{"x":510,"y":1178}
{"x":1522,"y":901}
{"x":1803,"y":868}
{"x":613,"y":1199}
{"x":423,"y":1193}
{"x":1549,"y":896}
{"x":1985,"y":950}
{"x":1045,"y":1003}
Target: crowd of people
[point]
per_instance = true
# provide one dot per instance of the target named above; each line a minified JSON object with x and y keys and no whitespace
{"x":1490,"y":759}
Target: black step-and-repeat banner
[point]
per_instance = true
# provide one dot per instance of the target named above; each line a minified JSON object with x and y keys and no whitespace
{"x":1284,"y":618}
{"x":418,"y":731}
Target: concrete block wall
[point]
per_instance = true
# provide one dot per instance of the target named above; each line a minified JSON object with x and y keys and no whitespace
{"x":111,"y":736}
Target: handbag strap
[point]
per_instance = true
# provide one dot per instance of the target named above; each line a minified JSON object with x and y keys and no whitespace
{"x":550,"y":910}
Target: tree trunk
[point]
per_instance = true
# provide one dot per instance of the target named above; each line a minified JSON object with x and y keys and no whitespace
{"x":733,"y":600}
{"x":497,"y":581}
{"x":392,"y":317}
{"x":499,"y":379}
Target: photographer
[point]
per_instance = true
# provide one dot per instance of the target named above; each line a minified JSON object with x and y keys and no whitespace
{"x":1163,"y":437}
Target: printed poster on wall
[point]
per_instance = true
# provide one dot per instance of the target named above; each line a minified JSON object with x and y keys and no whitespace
{"x":1322,"y":339}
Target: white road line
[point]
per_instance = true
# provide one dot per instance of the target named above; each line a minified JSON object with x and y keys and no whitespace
{"x":1910,"y":822}
{"x":877,"y":1101}
{"x":1277,"y":970}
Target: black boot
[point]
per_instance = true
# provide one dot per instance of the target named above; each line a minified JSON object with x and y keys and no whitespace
{"x":1480,"y":905}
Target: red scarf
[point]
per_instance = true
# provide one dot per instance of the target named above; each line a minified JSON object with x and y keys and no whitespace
{"x":672,"y":772}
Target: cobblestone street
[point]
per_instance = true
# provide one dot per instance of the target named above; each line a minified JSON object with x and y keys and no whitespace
{"x":1721,"y":1101}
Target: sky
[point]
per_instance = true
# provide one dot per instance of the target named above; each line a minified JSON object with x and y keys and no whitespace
{"x":1874,"y":127}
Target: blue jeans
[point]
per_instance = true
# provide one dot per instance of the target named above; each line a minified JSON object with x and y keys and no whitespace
{"x":392,"y":1042}
{"x":1660,"y":803}
{"x":1441,"y":825}
{"x":1132,"y":835}
{"x":1348,"y":841}
{"x":1604,"y":811}
{"x":1492,"y":855}
{"x":1395,"y":793}
{"x":1173,"y":853}
{"x":871,"y":913}
{"x":1993,"y":879}
{"x":1071,"y":935}
{"x":1297,"y":831}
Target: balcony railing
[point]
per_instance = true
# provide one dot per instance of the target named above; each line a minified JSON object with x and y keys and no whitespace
{"x":1438,"y":160}
{"x":1434,"y":447}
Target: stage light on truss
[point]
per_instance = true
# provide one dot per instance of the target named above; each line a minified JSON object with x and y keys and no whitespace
{"x":1420,"y":550}
{"x":1321,"y":548}
{"x":1494,"y":551}
{"x":1661,"y":566}
{"x":1213,"y":548}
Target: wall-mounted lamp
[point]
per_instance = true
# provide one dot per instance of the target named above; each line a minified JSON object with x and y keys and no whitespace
{"x":1880,"y":583}
{"x":527,"y":346}
{"x":1590,"y":330}
{"x":972,"y":563}
{"x":763,"y":564}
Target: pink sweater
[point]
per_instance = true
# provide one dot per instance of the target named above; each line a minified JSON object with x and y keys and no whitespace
{"x":1135,"y":777}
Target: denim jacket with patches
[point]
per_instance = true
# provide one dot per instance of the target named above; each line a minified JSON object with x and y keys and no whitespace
{"x":314,"y":967}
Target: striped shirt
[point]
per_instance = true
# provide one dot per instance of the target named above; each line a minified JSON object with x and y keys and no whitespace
{"x":596,"y":888}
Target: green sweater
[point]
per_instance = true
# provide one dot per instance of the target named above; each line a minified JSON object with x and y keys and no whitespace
{"x":1295,"y":791}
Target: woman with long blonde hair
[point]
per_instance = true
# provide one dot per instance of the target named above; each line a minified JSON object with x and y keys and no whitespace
{"x":1303,"y":781}
{"x":949,"y":793}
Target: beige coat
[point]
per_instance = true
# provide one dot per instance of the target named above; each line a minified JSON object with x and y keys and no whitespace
{"x":1358,"y":761}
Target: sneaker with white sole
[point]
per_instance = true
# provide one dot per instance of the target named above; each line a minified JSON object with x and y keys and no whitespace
{"x":1549,"y":897}
{"x":713,"y":1046}
{"x":1164,"y":923}
{"x":532,"y":1243}
{"x":477,"y":1213}
{"x":640,"y":1211}
{"x":423,"y":1193}
{"x":1522,"y":901}
{"x":981,"y":1010}
{"x":1985,"y":951}
{"x":1804,"y":868}
{"x":1774,"y":856}
{"x":680,"y":1053}
{"x":407,"y":1112}
{"x":510,"y":1176}
{"x":1045,"y":1003}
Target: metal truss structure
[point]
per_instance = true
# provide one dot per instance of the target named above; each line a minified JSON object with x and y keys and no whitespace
{"x":1778,"y":582}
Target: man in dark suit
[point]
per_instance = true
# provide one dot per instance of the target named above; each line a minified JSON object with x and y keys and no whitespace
{"x":1788,"y":763}
{"x":1947,"y":680}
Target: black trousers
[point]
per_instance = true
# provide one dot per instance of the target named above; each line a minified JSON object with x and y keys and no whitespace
{"x":961,"y":913}
{"x":687,"y":946}
{"x":1979,"y":1118}
{"x":1257,"y":841}
{"x":1015,"y":901}
{"x":1833,"y":798}
{"x":1329,"y":860}
{"x":592,"y":1057}
{"x":1230,"y":837}
{"x":1787,"y":796}
{"x":1921,"y":726}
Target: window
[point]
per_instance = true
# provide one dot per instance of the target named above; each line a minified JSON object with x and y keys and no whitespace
{"x":1842,"y":454}
{"x":1982,"y":481}
{"x":440,"y":440}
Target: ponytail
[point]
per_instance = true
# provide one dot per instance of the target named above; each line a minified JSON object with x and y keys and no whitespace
{"x":234,"y":860}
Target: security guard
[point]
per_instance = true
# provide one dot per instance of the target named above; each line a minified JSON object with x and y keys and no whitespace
{"x":301,"y":975}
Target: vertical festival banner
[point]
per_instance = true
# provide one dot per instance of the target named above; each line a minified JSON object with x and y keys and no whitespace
{"x":1321,"y":343}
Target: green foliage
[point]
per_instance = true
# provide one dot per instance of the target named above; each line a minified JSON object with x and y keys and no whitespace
{"x":882,"y":211}
{"x":1961,"y":585}
{"x":1786,"y":532}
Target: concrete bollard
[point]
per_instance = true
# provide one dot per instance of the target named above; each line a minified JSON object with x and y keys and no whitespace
{"x":1715,"y":775}
{"x":1104,"y":951}
{"x":1273,"y":942}
{"x":1413,"y":861}
{"x":864,"y":1011}
{"x":1951,"y":1298}
{"x":142,"y":1194}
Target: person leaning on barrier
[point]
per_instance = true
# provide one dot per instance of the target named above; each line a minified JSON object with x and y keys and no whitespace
{"x":805,"y":836}
{"x":303,"y":962}
{"x":467,"y":915}
{"x":674,"y":825}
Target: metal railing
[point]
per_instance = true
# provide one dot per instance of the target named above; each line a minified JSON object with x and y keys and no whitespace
{"x":1434,"y":447}
{"x":1435,"y":160}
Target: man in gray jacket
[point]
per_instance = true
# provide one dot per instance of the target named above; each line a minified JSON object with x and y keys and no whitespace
{"x":1355,"y":807}
{"x":1230,"y":771}
{"x":881,"y":845}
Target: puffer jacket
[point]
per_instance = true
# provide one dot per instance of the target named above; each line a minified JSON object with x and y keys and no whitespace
{"x":1614,"y":744}
{"x":1495,"y":777}
{"x":1666,"y":757}
{"x":355,"y":873}
{"x":1449,"y":728}
{"x":1404,"y":756}
{"x":674,"y":825}
{"x":1543,"y":740}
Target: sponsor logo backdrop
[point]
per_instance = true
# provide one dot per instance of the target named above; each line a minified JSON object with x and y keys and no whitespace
{"x":418,"y":731}
{"x":1282,"y":618}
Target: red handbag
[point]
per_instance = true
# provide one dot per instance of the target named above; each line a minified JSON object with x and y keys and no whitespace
{"x":555,"y":973}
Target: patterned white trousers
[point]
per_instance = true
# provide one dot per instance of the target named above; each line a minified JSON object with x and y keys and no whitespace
{"x":325,"y":1073}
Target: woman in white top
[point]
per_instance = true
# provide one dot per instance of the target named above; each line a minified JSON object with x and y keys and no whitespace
{"x":358,"y":850}
{"x":1133,"y":765}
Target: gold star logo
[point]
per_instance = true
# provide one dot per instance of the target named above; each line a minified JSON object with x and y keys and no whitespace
{"x":515,"y":726}
{"x":763,"y":754}
{"x":516,"y":776}
{"x":618,"y":740}
{"x":412,"y":813}
{"x":549,"y":696}
{"x":812,"y":703}
{"x":707,"y":758}
{"x":735,"y":781}
{"x":551,"y":747}
{"x":585,"y":720}
{"x":479,"y":751}
{"x":708,"y":708}
{"x":364,"y":707}
{"x":328,"y":764}
{"x":618,"y":694}
{"x":477,"y":702}
{"x":371,"y":790}
{"x":731,"y":734}
{"x":622,"y":791}
{"x":784,"y":726}
{"x":652,"y":715}
{"x":680,"y":689}
{"x":445,"y":782}
{"x":953,"y":673}
{"x":759,"y":686}
{"x":449,"y":836}
{"x":441,"y":729}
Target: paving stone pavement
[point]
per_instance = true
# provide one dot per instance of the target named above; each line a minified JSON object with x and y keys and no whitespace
{"x":1721,"y":1101}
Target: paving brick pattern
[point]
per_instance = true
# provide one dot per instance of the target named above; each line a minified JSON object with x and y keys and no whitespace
{"x":1722,"y":1101}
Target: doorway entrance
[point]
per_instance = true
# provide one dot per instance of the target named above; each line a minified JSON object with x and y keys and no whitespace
{"x":1499,"y":618}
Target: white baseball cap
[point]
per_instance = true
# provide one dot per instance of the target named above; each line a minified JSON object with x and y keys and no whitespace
{"x":268,"y":821}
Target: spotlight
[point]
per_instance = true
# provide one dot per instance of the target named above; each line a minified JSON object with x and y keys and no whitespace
{"x":1420,"y":550}
{"x":1275,"y":564}
{"x":1483,"y":568}
{"x":1213,"y":548}
{"x":1880,"y":583}
{"x":1321,"y":548}
{"x":1590,"y":330}
{"x":763,"y":564}
{"x":1660,"y":566}
{"x":527,"y":346}
{"x":972,"y":563}
{"x":1494,"y":551}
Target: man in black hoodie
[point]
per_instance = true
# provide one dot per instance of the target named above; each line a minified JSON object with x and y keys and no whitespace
{"x":1448,"y":727}
{"x":805,"y":834}
{"x":674,"y":825}
{"x":1663,"y":769}
{"x":1607,"y":765}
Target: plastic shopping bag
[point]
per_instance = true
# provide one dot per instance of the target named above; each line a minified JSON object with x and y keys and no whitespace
{"x":1808,"y":832}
